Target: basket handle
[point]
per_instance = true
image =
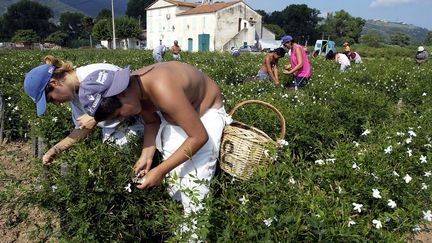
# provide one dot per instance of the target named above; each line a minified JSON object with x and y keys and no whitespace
{"x":279,"y":114}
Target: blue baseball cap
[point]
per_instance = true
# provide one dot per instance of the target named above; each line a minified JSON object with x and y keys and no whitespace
{"x":100,"y":84}
{"x":286,"y":39}
{"x":35,"y":82}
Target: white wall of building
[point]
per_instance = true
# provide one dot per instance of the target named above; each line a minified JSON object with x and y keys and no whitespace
{"x":191,"y":26}
{"x":233,"y":25}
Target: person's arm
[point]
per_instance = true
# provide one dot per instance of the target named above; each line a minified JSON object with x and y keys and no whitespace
{"x":270,"y":70}
{"x":152,"y":124}
{"x":299,"y":62}
{"x":276,"y":73}
{"x":64,"y":144}
{"x":172,"y":101}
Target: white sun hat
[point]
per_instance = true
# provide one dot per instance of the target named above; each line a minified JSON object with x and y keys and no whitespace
{"x":420,"y":48}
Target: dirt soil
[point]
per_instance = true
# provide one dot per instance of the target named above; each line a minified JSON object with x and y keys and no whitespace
{"x":19,"y":221}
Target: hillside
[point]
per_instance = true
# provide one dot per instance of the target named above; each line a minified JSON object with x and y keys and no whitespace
{"x":387,"y":29}
{"x":87,"y":7}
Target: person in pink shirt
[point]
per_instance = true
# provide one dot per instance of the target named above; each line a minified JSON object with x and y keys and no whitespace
{"x":299,"y":65}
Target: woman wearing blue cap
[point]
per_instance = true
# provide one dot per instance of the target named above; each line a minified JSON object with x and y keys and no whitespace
{"x":299,"y":64}
{"x":58,"y":82}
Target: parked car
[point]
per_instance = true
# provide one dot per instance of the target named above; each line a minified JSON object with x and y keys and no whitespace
{"x":99,"y":46}
{"x":248,"y":48}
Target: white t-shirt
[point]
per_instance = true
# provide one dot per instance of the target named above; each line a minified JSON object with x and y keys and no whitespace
{"x":115,"y":130}
{"x":343,"y":61}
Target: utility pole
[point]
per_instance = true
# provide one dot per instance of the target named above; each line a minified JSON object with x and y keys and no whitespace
{"x":113,"y":24}
{"x":139,"y":21}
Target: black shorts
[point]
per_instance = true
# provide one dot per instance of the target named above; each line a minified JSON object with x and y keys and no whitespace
{"x":298,"y":82}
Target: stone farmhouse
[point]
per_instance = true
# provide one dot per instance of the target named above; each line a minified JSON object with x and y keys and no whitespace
{"x":204,"y":27}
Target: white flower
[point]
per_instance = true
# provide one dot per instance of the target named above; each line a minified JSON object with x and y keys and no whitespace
{"x":423,"y":159}
{"x":407,"y":178}
{"x":351,"y":222}
{"x":228,"y":120}
{"x":266,"y":152}
{"x":427,"y":215}
{"x":412,"y":133}
{"x":391,"y":203}
{"x":53,"y":188}
{"x":424,"y":186}
{"x":243,"y":200}
{"x":409,"y":152}
{"x":355,"y":166}
{"x":395,"y":173}
{"x":128,"y":188}
{"x":401,"y":134}
{"x":376,"y":193}
{"x":283,"y":142}
{"x":357,"y":207}
{"x":428,"y":145}
{"x":332,"y":160}
{"x":319,"y":161}
{"x":424,"y":94}
{"x":90,"y":172}
{"x":366,"y":132}
{"x":377,"y":223}
{"x":416,"y":228}
{"x":388,"y":149}
{"x":356,"y":143}
{"x":408,"y":140}
{"x":291,"y":180}
{"x":428,"y":173}
{"x":55,"y":119}
{"x":268,"y":222}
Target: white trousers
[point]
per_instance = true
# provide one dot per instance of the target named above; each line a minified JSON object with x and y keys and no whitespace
{"x":189,"y":182}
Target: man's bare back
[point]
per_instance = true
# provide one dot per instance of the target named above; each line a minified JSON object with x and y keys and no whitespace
{"x":201,"y":91}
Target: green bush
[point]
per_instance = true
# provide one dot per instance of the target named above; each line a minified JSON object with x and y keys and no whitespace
{"x":349,"y":134}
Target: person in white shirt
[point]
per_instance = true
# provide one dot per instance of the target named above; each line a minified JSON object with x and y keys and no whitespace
{"x":339,"y":58}
{"x":58,"y":82}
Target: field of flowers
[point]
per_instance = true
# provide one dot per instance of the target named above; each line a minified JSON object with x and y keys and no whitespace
{"x":357,"y":167}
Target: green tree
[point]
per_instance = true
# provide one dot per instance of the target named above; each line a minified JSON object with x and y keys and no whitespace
{"x":298,"y":20}
{"x":71,"y":23}
{"x":103,"y":14}
{"x":428,"y":40}
{"x":400,"y":39}
{"x":126,"y":27}
{"x":341,"y":27}
{"x":27,"y":14}
{"x":25,"y":36}
{"x":136,"y":9}
{"x":3,"y":36}
{"x":275,"y":29}
{"x":102,"y":30}
{"x":265,"y":16}
{"x":59,"y":38}
{"x":372,"y":39}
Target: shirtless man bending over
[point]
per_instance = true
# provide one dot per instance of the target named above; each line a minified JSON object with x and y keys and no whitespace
{"x":269,"y":67}
{"x":184,"y":118}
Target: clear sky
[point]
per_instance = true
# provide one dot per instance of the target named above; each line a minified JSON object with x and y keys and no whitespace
{"x":416,"y":12}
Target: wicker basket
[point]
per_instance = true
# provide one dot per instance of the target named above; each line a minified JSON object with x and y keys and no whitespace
{"x":242,"y":146}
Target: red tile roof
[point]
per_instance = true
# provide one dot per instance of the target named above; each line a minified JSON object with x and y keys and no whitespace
{"x":179,"y":3}
{"x":208,"y":8}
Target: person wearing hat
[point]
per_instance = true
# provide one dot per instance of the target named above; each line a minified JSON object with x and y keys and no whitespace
{"x":58,"y":82}
{"x":299,"y":65}
{"x":184,"y":116}
{"x":421,"y":56}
